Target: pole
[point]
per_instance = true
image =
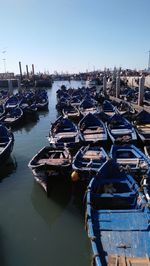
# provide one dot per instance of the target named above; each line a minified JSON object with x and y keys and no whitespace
{"x":141,"y":90}
{"x":20,"y":71}
{"x":104,"y":85}
{"x":118,"y":86}
{"x":27,"y":71}
{"x":33,"y":69}
{"x":149,"y":61}
{"x":4,"y":61}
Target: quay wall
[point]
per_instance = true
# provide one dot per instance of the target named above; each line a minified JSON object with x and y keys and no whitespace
{"x":5,"y":84}
{"x":133,"y":81}
{"x":137,"y":107}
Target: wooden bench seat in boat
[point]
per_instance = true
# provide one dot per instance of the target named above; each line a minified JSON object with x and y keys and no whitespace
{"x":143,"y":126}
{"x":144,"y":130}
{"x":92,"y":155}
{"x":92,"y":137}
{"x":92,"y":165}
{"x":9,"y":119}
{"x":116,"y":260}
{"x":3,"y":143}
{"x":50,"y":161}
{"x":66,"y":134}
{"x":93,"y":130}
{"x":128,"y":161}
{"x":115,"y":220}
{"x":121,"y":131}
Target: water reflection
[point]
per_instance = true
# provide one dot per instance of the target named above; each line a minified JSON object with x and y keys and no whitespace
{"x":8,"y":168}
{"x":35,"y":228}
{"x":2,"y":257}
{"x":27,"y":124}
{"x":51,"y":208}
{"x":43,"y":113}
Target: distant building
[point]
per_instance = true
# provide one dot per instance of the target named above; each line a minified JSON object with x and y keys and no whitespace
{"x":7,"y":75}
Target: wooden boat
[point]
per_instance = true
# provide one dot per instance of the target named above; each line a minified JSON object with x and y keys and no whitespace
{"x":75,"y":101}
{"x":6,"y":143}
{"x":92,"y":129}
{"x":50,"y":162}
{"x":117,"y":219}
{"x":124,"y":107}
{"x":87,"y":106}
{"x":12,"y":117}
{"x":29,"y":108}
{"x":11,"y":102}
{"x":120,"y":130}
{"x":88,"y":160}
{"x":62,"y":103}
{"x":64,"y":131}
{"x":41,"y":103}
{"x":108,"y":108}
{"x":130,"y":157}
{"x":71,"y":112}
{"x":142,"y":125}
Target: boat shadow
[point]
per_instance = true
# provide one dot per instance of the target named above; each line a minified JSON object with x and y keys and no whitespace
{"x":43,"y":113}
{"x":27,"y":124}
{"x":2,"y":250}
{"x":50,"y":208}
{"x":8,"y":168}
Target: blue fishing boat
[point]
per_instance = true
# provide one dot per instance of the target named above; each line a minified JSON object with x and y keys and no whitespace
{"x":88,"y":160}
{"x":124,"y":107}
{"x":75,"y":101}
{"x":130,"y":157}
{"x":88,"y":106}
{"x":29,"y":108}
{"x":11,"y":102}
{"x":120,"y":130}
{"x":50,"y":162}
{"x":142,"y":125}
{"x":64,"y":131}
{"x":92,"y":129}
{"x":117,"y":219}
{"x":12,"y":117}
{"x":6,"y":143}
{"x":62,"y":103}
{"x":41,"y":103}
{"x":108,"y":108}
{"x":71,"y":112}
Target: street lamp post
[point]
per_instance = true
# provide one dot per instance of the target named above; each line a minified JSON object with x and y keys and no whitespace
{"x":149,"y":61}
{"x":4,"y":61}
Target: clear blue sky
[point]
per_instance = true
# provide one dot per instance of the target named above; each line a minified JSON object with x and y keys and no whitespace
{"x":74,"y":35}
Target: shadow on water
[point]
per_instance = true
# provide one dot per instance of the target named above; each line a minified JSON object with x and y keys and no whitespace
{"x":27,"y":124}
{"x":43,"y":113}
{"x":79,"y":190}
{"x":2,"y":252}
{"x":8,"y":168}
{"x":51,"y":208}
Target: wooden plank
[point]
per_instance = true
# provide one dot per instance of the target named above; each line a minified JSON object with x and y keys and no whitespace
{"x":114,"y":260}
{"x":58,"y":161}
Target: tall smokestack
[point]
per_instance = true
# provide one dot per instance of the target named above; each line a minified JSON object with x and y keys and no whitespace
{"x":20,"y":70}
{"x":33,"y":69}
{"x":27,"y":71}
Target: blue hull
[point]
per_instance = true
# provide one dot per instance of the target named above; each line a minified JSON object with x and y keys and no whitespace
{"x":118,"y":221}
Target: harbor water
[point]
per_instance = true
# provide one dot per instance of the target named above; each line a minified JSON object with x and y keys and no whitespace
{"x":36,"y":230}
